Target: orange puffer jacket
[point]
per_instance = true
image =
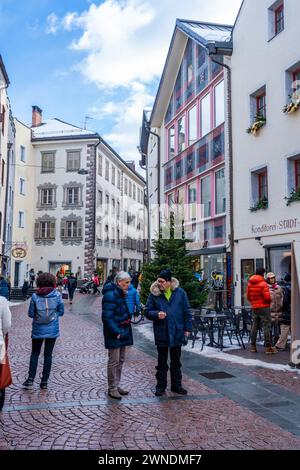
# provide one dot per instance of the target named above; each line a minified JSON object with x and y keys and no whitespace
{"x":258,"y":292}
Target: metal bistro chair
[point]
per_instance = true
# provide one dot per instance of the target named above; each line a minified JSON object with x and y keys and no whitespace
{"x":199,"y":326}
{"x":233,"y":326}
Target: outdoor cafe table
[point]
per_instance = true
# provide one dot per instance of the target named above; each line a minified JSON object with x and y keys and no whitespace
{"x":214,"y":317}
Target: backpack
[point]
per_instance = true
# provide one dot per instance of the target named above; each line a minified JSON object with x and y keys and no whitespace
{"x":45,"y":310}
{"x":72,"y":282}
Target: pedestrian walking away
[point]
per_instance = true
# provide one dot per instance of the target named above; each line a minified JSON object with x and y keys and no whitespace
{"x":169,"y":309}
{"x":71,"y":286}
{"x":25,"y":288}
{"x":133,"y":301}
{"x":117,"y":330}
{"x":46,"y":306}
{"x":5,"y":325}
{"x":258,"y":294}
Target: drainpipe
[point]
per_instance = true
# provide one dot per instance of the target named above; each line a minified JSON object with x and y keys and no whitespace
{"x":158,"y":175}
{"x":230,"y":164}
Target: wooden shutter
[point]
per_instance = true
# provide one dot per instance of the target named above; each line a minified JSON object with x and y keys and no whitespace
{"x":52,"y":230}
{"x":63,"y":229}
{"x":79,"y":228}
{"x":36,"y":230}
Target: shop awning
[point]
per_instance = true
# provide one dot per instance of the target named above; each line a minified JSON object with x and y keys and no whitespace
{"x":295,"y":311}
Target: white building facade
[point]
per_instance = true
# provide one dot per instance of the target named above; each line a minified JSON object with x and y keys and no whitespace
{"x":120,"y":213}
{"x":266,"y":159}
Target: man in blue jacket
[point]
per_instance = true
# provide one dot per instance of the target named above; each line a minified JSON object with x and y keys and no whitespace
{"x":169,"y":309}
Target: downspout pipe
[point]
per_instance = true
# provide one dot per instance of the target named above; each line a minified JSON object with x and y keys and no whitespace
{"x":158,"y":175}
{"x":230,"y":165}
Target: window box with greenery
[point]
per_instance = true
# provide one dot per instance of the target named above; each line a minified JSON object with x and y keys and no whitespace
{"x":294,"y":103}
{"x":261,"y":204}
{"x":294,"y":196}
{"x":258,"y":123}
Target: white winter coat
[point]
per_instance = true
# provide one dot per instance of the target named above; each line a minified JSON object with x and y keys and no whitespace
{"x":5,"y":324}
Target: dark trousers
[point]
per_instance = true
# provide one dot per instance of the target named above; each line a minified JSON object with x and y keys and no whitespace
{"x":71,"y":293}
{"x":162,"y":367}
{"x":36,"y":349}
{"x":261,"y":316}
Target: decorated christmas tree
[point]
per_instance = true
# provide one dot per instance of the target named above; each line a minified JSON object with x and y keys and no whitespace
{"x":170,"y":252}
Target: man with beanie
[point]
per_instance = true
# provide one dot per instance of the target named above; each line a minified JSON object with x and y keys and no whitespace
{"x":169,"y":309}
{"x":259,"y":296}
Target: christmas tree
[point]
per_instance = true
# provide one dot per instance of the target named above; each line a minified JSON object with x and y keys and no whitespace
{"x":170,"y":252}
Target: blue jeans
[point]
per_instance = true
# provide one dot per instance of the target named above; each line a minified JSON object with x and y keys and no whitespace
{"x":36,"y":349}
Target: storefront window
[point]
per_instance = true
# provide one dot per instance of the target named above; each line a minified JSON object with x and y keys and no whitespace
{"x":279,"y":260}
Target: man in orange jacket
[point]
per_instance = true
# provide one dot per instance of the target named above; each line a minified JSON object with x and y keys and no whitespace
{"x":258,"y":294}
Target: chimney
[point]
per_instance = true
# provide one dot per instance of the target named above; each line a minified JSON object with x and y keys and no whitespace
{"x":131,"y":165}
{"x":36,"y":116}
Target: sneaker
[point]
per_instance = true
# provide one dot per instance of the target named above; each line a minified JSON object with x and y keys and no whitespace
{"x":159,"y":392}
{"x":28,"y":383}
{"x":43,"y":385}
{"x":270,"y":350}
{"x":115,"y":394}
{"x":180,"y":390}
{"x":253,"y":348}
{"x":122,"y":391}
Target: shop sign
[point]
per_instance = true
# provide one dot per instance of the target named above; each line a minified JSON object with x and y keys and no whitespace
{"x":283,"y":225}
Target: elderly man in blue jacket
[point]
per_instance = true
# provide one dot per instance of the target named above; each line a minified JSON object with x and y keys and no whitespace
{"x":169,"y":309}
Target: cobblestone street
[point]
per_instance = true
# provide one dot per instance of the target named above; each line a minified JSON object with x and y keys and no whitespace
{"x":75,"y":413}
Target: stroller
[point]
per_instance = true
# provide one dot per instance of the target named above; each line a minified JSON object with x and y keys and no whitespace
{"x":86,"y":287}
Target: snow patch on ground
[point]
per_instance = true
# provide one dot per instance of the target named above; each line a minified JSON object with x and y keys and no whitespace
{"x":147,"y":331}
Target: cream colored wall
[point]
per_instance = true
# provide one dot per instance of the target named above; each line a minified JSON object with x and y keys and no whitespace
{"x":25,"y":202}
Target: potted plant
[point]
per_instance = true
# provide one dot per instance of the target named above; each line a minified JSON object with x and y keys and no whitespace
{"x":258,"y":123}
{"x":294,"y":103}
{"x":262,"y":204}
{"x":294,"y":196}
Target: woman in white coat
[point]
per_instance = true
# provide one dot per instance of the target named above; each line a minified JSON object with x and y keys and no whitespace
{"x":5,"y":324}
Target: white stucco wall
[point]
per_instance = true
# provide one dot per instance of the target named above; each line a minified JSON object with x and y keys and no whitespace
{"x":258,"y":61}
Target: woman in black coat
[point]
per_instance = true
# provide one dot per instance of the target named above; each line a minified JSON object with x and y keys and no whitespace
{"x":117,"y":330}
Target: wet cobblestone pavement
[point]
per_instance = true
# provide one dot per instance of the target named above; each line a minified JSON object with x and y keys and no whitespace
{"x":75,"y":412}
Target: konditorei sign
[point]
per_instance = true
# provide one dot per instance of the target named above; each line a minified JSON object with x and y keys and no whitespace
{"x":280,"y":226}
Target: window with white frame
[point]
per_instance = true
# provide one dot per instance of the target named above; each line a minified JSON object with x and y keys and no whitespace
{"x":48,"y":162}
{"x":276,"y":18}
{"x":22,"y":186}
{"x":219,"y":104}
{"x":206,"y":197}
{"x":21,"y":219}
{"x":258,"y":108}
{"x":259,"y":187}
{"x":47,"y":198}
{"x":107,"y":170}
{"x":134,"y":191}
{"x":118,"y":210}
{"x":192,"y":199}
{"x":44,"y":228}
{"x":130,"y":189}
{"x":71,"y":227}
{"x":293,"y":83}
{"x":171,"y":142}
{"x":192,"y":116}
{"x":73,"y":160}
{"x":100,"y":198}
{"x":119,"y":180}
{"x":72,"y":196}
{"x":293,"y":174}
{"x":125,"y":186}
{"x":113,"y":175}
{"x":205,"y":115}
{"x":220,"y":192}
{"x":100,"y":163}
{"x":181,"y":134}
{"x":22,"y":153}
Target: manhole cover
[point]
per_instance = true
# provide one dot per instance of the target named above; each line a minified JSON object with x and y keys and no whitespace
{"x":217,"y":375}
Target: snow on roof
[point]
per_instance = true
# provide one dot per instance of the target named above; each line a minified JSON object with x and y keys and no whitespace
{"x":57,"y":128}
{"x":208,"y":32}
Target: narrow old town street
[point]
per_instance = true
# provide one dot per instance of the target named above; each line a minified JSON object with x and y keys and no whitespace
{"x":251,"y":408}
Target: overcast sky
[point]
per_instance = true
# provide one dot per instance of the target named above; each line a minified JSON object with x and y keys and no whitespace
{"x":100,"y":59}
